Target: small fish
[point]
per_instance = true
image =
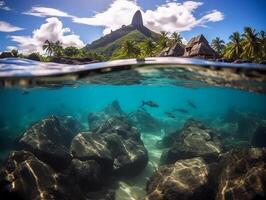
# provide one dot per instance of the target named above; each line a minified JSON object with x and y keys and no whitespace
{"x":191,"y":104}
{"x":170,"y":115}
{"x":150,"y":103}
{"x":181,"y":110}
{"x":25,"y":92}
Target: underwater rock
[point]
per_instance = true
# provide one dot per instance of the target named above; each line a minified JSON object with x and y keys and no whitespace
{"x":130,"y":157}
{"x":121,"y":126}
{"x":244,"y":175}
{"x":97,"y":119}
{"x":167,"y":141}
{"x":259,"y":137}
{"x":49,"y":140}
{"x":247,"y":123}
{"x":89,"y":146}
{"x":87,"y":174}
{"x":185,"y":180}
{"x":116,"y":146}
{"x":230,"y":143}
{"x":193,"y":140}
{"x":124,"y":156}
{"x":144,"y":121}
{"x":72,"y":124}
{"x":26,"y":177}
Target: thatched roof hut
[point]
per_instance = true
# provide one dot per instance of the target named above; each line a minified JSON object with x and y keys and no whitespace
{"x":174,"y":51}
{"x":199,"y":47}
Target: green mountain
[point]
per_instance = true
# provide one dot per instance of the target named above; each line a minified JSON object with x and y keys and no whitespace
{"x":109,"y":43}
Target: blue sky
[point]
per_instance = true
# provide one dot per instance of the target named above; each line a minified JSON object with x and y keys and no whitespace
{"x":25,"y":24}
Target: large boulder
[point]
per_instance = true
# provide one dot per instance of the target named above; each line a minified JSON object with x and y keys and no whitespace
{"x":188,"y":179}
{"x":244,"y":175}
{"x":144,"y":121}
{"x":194,"y":139}
{"x":246,"y":123}
{"x":49,"y":140}
{"x":24,"y":176}
{"x":98,"y":118}
{"x":116,"y":145}
{"x":88,"y":146}
{"x":87,"y":174}
{"x":72,"y":124}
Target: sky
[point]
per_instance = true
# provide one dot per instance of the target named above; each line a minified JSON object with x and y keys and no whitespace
{"x":26,"y":24}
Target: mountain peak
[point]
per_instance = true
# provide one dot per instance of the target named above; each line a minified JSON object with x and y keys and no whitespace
{"x":137,"y":19}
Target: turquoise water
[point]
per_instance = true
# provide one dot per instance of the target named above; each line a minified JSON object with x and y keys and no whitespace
{"x":21,"y":108}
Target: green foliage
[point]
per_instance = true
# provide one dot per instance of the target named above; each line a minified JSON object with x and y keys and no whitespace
{"x":48,"y":47}
{"x":34,"y":56}
{"x":71,"y":51}
{"x":218,"y":45}
{"x":109,"y":45}
{"x":14,"y":52}
{"x":176,"y":38}
{"x":250,"y":45}
{"x":129,"y":49}
{"x":234,"y":49}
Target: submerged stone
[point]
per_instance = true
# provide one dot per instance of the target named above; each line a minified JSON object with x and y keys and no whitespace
{"x":185,"y":180}
{"x":98,"y":118}
{"x":116,"y":145}
{"x":194,"y":139}
{"x":26,"y":177}
{"x":49,"y":140}
{"x":144,"y":121}
{"x":244,"y":175}
{"x":88,"y":146}
{"x":88,"y":174}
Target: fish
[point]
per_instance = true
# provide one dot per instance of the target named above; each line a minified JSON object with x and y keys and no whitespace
{"x":150,"y":103}
{"x":170,"y":115}
{"x":181,"y":110}
{"x":25,"y":92}
{"x":191,"y":104}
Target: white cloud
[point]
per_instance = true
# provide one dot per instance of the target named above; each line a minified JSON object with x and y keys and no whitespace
{"x":52,"y":30}
{"x":6,"y":27}
{"x":9,"y":48}
{"x":46,"y":12}
{"x":171,"y":16}
{"x":119,"y":13}
{"x":3,"y":6}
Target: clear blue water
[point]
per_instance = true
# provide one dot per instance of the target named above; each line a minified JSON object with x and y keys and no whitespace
{"x":20,"y":108}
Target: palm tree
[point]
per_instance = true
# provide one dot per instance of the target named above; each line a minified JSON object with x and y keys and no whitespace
{"x":218,"y":45}
{"x":262,"y":40}
{"x":163,"y":40}
{"x":130,"y":49}
{"x":58,"y":48}
{"x":251,"y":45}
{"x":234,"y":48}
{"x":176,"y":38}
{"x":48,"y":47}
{"x":148,"y":47}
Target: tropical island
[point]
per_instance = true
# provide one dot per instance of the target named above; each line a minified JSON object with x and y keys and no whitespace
{"x":137,"y":41}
